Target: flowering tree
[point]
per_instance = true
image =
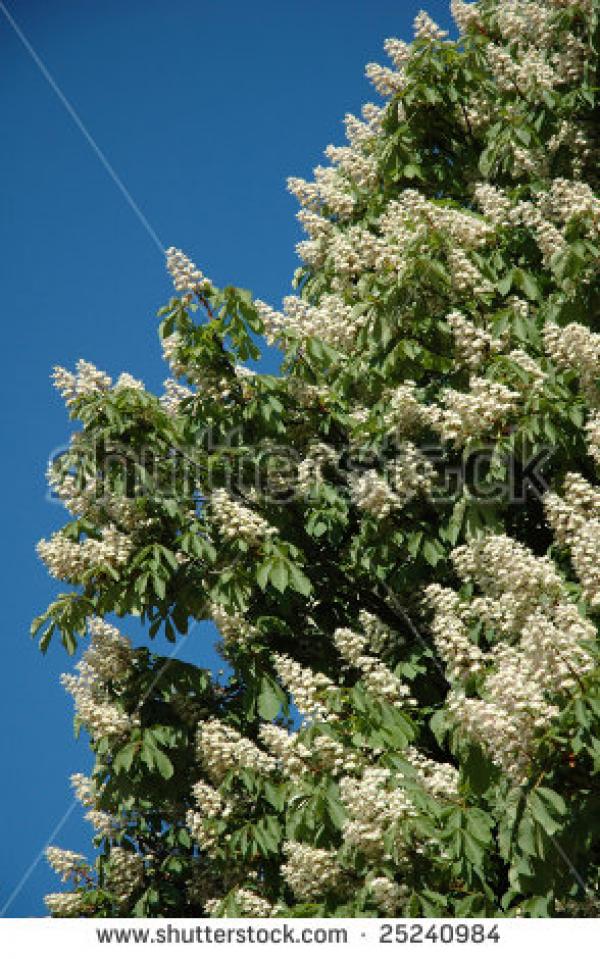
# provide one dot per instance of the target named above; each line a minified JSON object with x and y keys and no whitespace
{"x":398,"y":537}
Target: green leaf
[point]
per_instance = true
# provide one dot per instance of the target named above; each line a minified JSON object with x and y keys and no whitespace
{"x":300,"y":582}
{"x":125,"y":756}
{"x":279,"y":575}
{"x":163,"y":764}
{"x":271,"y":699}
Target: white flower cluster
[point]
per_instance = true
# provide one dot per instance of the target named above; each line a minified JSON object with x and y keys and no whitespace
{"x":549,"y":238}
{"x":569,"y":133}
{"x":233,"y":627}
{"x":126,"y":381}
{"x":389,"y":895}
{"x":298,"y":757}
{"x":466,"y":15}
{"x":349,"y":252}
{"x":537,"y":655}
{"x":84,"y":496}
{"x":592,"y":430}
{"x":532,"y":59}
{"x":174,"y":395}
{"x":471,"y":416}
{"x":208,"y":800}
{"x":523,"y":20}
{"x":187,"y":278}
{"x":221,"y":748}
{"x":412,"y":215}
{"x":575,"y":519}
{"x":357,"y":166}
{"x":466,"y":276}
{"x":93,"y":705}
{"x":575,"y":347}
{"x":398,"y":51}
{"x":353,"y":168}
{"x":103,"y":823}
{"x":248,"y":903}
{"x":310,"y":469}
{"x":126,"y":873}
{"x":512,"y":579}
{"x":70,"y":560}
{"x":411,"y":474}
{"x":373,"y":805}
{"x":84,"y":788}
{"x":287,"y":748}
{"x":330,"y":191}
{"x":210,"y":805}
{"x":495,"y":203}
{"x":309,"y":689}
{"x":373,"y":494}
{"x":78,"y":495}
{"x":68,"y":865}
{"x":568,"y":62}
{"x":408,"y":475}
{"x":85,"y":382}
{"x":528,"y":71}
{"x":376,"y":633}
{"x":428,"y":29}
{"x":387,"y":82}
{"x":234,"y":520}
{"x":535,"y":374}
{"x":109,"y":653}
{"x":479,"y":112}
{"x":308,"y":871}
{"x":438,"y":779}
{"x":563,"y":202}
{"x":567,"y":200}
{"x":66,"y":905}
{"x":403,"y":411}
{"x":378,"y":680}
{"x":362,"y":133}
{"x":331,"y":321}
{"x":171,"y":347}
{"x":517,"y":694}
{"x":451,"y":633}
{"x":473,"y":344}
{"x":498,"y":564}
{"x":404,"y":226}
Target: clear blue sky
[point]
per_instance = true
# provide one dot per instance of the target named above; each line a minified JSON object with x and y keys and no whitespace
{"x":203,"y":107}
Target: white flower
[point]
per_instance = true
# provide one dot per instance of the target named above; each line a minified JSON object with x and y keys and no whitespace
{"x":187,"y":278}
{"x":86,"y":382}
{"x":309,"y":689}
{"x":70,"y":560}
{"x":309,"y":872}
{"x":538,"y":648}
{"x":236,"y":521}
{"x":221,"y":748}
{"x":68,"y":865}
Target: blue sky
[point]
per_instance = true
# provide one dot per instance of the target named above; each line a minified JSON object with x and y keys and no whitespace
{"x":203,"y":107}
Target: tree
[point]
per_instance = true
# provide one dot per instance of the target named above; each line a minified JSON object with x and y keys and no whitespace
{"x":398,"y":536}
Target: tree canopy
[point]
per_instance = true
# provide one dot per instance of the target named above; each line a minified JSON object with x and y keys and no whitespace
{"x":397,"y":536}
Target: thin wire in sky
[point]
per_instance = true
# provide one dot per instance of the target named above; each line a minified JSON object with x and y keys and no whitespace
{"x":84,"y":131}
